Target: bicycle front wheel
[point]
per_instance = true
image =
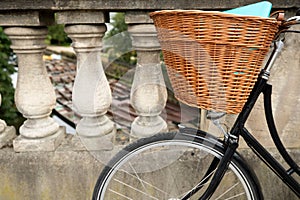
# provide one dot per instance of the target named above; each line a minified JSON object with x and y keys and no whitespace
{"x":168,"y":166}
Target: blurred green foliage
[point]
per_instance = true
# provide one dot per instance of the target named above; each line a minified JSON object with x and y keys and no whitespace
{"x":8,"y":110}
{"x":117,"y":41}
{"x":57,"y":36}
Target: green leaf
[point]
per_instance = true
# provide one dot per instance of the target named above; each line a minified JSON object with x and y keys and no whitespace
{"x":8,"y":110}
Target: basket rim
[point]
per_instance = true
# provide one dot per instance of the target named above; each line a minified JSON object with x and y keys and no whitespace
{"x":204,"y":12}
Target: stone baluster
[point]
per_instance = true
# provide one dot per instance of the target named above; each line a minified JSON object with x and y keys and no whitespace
{"x":148,"y":93}
{"x":35,"y":96}
{"x":91,"y":93}
{"x":7,"y":133}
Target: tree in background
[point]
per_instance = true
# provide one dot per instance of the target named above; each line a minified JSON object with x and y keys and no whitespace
{"x":117,"y":41}
{"x":8,"y":110}
{"x":57,"y":36}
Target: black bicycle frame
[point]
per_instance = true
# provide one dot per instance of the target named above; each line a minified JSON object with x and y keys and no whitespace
{"x":231,"y":141}
{"x":232,"y":138}
{"x":264,"y":155}
{"x":239,"y":129}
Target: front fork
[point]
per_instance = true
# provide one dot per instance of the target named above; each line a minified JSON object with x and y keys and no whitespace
{"x":232,"y":138}
{"x":221,"y":166}
{"x":220,"y":171}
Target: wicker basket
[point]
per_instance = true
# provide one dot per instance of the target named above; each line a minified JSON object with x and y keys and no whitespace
{"x":213,"y":58}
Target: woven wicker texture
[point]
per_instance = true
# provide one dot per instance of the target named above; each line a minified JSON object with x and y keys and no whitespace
{"x":213,"y":58}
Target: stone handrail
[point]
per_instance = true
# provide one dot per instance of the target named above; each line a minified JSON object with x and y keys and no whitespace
{"x":133,"y":5}
{"x":25,"y":23}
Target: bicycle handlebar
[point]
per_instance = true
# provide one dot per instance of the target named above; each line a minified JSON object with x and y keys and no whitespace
{"x":280,"y":37}
{"x":286,"y":24}
{"x":296,"y":18}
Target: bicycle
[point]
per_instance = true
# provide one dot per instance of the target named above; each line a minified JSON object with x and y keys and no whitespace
{"x":207,"y":166}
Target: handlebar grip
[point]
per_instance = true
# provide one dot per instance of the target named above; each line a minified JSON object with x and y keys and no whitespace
{"x":298,"y":12}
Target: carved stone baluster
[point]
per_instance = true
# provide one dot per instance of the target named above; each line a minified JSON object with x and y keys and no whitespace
{"x":7,"y":133}
{"x":91,"y":93}
{"x":148,"y":93}
{"x":35,"y":96}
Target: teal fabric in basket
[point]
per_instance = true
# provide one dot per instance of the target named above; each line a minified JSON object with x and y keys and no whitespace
{"x":260,"y":9}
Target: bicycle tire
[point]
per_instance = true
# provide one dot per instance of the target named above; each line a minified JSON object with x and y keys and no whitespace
{"x":164,"y":169}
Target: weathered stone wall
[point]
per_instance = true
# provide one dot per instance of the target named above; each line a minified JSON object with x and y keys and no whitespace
{"x":71,"y":172}
{"x":68,"y":173}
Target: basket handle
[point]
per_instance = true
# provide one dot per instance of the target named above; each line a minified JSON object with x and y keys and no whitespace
{"x":279,"y":15}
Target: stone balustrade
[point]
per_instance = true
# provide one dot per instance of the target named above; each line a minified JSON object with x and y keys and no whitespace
{"x":50,"y":175}
{"x":26,"y":22}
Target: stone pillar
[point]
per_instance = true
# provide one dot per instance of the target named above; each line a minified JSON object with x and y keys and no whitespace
{"x":91,"y":93}
{"x":7,"y":133}
{"x":35,"y":96}
{"x":148,"y":93}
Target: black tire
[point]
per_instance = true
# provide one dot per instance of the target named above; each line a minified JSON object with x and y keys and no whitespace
{"x":173,"y":169}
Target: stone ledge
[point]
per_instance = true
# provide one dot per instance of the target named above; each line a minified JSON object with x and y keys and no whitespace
{"x":50,"y":143}
{"x":26,"y":18}
{"x":134,"y":4}
{"x":70,"y":172}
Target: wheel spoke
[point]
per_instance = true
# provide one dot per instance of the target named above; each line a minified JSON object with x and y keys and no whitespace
{"x":135,"y":189}
{"x":199,"y":184}
{"x":117,"y":193}
{"x":137,"y":176}
{"x":232,"y":187}
{"x":235,"y":196}
{"x":145,"y":182}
